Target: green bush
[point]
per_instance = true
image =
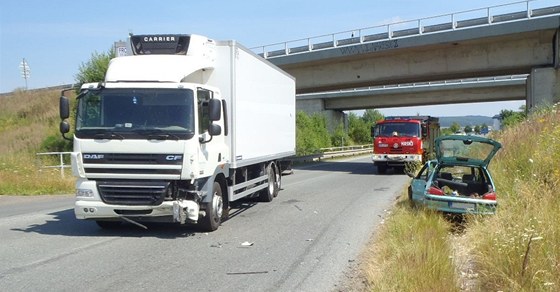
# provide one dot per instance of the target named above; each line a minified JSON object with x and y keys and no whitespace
{"x":311,"y":133}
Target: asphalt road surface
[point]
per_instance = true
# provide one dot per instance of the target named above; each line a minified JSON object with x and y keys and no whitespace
{"x":304,"y":240}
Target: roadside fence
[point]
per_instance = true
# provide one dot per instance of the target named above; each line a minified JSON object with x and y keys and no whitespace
{"x":323,"y":153}
{"x":333,"y":152}
{"x":61,"y":158}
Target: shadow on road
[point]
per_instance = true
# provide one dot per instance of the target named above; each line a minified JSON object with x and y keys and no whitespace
{"x":65,"y":223}
{"x":352,"y":167}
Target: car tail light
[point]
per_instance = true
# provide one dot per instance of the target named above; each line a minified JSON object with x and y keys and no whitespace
{"x":489,"y":196}
{"x":435,"y":191}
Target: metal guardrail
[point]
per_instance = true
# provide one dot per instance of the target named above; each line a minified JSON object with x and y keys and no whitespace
{"x":61,"y":164}
{"x":333,"y":152}
{"x":324,"y":153}
{"x":447,"y":22}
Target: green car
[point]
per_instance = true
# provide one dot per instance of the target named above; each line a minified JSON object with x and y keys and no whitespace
{"x":458,"y":181}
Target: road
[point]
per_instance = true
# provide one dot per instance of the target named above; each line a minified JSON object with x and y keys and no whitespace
{"x":304,"y":240}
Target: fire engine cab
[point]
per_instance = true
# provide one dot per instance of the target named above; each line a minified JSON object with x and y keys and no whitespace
{"x":401,"y":140}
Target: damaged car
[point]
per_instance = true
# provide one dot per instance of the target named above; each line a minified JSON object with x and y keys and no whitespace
{"x":458,"y":181}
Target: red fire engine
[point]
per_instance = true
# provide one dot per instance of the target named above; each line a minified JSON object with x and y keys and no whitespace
{"x":400,"y":140}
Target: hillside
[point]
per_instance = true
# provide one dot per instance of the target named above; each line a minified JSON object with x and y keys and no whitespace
{"x":27,"y":119}
{"x":29,"y":124}
{"x":445,"y":122}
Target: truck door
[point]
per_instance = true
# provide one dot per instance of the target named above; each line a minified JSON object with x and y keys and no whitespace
{"x":210,"y":148}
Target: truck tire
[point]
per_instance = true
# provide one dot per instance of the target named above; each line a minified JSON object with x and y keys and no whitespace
{"x":267,"y":194}
{"x":278,"y":174}
{"x":214,"y":210}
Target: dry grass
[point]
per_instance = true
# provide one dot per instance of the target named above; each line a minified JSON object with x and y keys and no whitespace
{"x":518,"y":249}
{"x":411,"y":252}
{"x":27,"y":118}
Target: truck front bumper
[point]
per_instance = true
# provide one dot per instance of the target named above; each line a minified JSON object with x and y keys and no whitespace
{"x":100,"y":210}
{"x":89,"y":205}
{"x":395,"y":159}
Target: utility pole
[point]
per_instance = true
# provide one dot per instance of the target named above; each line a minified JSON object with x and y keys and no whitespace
{"x":25,"y":71}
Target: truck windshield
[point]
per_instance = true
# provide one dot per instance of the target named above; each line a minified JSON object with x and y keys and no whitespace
{"x":136,"y":114}
{"x":398,"y":129}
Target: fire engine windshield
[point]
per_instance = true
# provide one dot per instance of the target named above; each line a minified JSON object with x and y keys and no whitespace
{"x":398,"y":129}
{"x":135,"y":114}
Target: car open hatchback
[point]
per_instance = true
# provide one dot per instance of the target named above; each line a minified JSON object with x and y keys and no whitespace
{"x":459,"y":180}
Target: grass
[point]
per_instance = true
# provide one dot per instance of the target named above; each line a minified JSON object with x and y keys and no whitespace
{"x":518,"y":249}
{"x":411,"y":252}
{"x":27,"y":119}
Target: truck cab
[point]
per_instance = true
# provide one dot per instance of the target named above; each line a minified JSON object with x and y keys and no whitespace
{"x":401,"y":140}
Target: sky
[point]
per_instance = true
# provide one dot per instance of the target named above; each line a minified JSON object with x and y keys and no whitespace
{"x":55,"y":37}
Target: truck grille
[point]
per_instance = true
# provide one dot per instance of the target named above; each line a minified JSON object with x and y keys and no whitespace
{"x":118,"y":158}
{"x":158,"y":166}
{"x":150,"y":193}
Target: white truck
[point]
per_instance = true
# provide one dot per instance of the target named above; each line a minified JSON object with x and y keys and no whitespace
{"x":178,"y":130}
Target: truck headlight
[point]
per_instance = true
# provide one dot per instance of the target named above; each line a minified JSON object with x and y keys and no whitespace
{"x":84,"y":193}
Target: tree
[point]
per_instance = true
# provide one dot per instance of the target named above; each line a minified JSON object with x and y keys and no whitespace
{"x":468,"y":129}
{"x":510,"y":118}
{"x":311,"y":133}
{"x":371,"y":116}
{"x":339,"y":138}
{"x":477,"y":129}
{"x":95,"y":69}
{"x":358,"y":129}
{"x":455,"y":127}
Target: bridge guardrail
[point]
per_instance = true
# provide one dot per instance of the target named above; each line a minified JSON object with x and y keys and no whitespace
{"x":514,"y":11}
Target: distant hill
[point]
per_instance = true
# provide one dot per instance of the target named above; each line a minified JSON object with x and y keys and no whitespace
{"x":446,"y":122}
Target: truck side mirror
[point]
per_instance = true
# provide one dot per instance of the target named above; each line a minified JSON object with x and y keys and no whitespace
{"x":373,"y":131}
{"x":214,"y":130}
{"x":64,"y":107}
{"x":424,"y":131}
{"x":214,"y":109}
{"x":64,"y":127}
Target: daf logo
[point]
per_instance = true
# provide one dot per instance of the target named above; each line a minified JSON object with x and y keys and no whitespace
{"x":173,"y":157}
{"x":94,"y":156}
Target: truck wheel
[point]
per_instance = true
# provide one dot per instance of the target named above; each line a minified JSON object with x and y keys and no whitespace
{"x":214,"y":210}
{"x":267,"y":194}
{"x":382,"y":169}
{"x":278,"y":179}
{"x":108,"y":224}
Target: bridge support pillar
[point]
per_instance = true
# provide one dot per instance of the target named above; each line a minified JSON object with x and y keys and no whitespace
{"x":316,"y":106}
{"x":543,"y":87}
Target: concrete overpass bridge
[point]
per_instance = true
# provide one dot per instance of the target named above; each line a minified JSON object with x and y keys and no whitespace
{"x":517,"y":38}
{"x":486,"y":89}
